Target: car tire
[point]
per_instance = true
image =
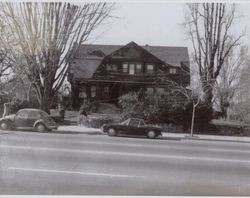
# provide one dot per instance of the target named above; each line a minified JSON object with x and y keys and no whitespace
{"x":40,"y":127}
{"x":4,"y":125}
{"x":151,"y":134}
{"x":112,"y":132}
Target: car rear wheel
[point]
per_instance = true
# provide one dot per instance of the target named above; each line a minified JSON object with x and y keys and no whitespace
{"x":112,"y":132}
{"x":5,"y":125}
{"x":151,"y":134}
{"x":40,"y":127}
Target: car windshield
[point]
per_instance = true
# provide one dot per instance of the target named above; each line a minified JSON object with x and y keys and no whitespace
{"x":22,"y":113}
{"x":125,"y":122}
{"x":134,"y":122}
{"x":44,"y":114}
{"x":142,"y":122}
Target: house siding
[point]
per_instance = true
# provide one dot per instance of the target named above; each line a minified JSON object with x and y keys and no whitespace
{"x":116,"y":81}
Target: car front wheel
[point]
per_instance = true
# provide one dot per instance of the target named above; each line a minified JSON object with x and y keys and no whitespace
{"x":5,"y":125}
{"x":151,"y":134}
{"x":40,"y":128}
{"x":112,"y":132}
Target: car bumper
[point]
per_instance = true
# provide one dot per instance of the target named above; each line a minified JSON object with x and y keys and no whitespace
{"x":52,"y":127}
{"x":103,"y":129}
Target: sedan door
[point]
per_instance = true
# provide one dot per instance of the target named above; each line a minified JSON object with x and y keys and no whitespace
{"x":133,"y":127}
{"x":33,"y":116}
{"x":21,"y":119}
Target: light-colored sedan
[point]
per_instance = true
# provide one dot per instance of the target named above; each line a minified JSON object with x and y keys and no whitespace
{"x":34,"y":119}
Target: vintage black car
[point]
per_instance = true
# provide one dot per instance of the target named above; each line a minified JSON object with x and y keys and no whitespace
{"x":28,"y":119}
{"x":132,"y":126}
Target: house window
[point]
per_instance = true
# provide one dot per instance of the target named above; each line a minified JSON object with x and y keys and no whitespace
{"x":93,"y":91}
{"x":132,"y":69}
{"x":150,"y":90}
{"x":138,"y":68}
{"x":83,"y":93}
{"x":172,"y":71}
{"x":125,"y":67}
{"x":114,"y":67}
{"x":106,"y":91}
{"x":150,"y":68}
{"x":111,"y":67}
{"x":160,"y":90}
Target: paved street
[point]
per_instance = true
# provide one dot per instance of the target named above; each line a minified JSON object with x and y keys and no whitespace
{"x":95,"y":164}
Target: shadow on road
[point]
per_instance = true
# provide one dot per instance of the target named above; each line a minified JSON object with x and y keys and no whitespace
{"x":144,"y":137}
{"x":171,"y":138}
{"x":220,"y":140}
{"x":75,"y":132}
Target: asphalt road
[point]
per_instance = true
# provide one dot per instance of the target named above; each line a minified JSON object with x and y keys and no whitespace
{"x":95,"y":164}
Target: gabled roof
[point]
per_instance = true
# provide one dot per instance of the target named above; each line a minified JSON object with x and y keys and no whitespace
{"x":132,"y":50}
{"x":86,"y":68}
{"x":91,"y":56}
{"x":170,"y":55}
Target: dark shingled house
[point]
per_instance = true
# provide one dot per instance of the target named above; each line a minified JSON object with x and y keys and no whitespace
{"x":105,"y":72}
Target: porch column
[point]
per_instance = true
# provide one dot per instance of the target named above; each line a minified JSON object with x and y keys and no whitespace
{"x":75,"y":95}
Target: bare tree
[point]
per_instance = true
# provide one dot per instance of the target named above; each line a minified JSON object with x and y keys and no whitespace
{"x":5,"y":63}
{"x":209,"y":28}
{"x":228,"y":82}
{"x":240,"y":108}
{"x":45,"y":36}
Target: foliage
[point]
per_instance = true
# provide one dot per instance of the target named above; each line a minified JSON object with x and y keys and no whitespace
{"x":131,"y":105}
{"x":151,"y":107}
{"x":166,"y":108}
{"x":98,"y":122}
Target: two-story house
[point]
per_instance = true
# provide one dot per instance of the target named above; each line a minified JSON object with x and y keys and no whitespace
{"x":105,"y":72}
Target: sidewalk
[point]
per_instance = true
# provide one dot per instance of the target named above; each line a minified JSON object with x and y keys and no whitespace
{"x":183,"y":136}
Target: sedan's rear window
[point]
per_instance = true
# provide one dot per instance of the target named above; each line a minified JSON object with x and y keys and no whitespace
{"x":34,"y":115}
{"x":22,"y":114}
{"x":44,"y":114}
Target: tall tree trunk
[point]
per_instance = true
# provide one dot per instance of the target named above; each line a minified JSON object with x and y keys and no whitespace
{"x":46,"y":98}
{"x":207,"y":87}
{"x":45,"y":103}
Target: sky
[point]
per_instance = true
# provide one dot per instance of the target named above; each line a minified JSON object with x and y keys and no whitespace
{"x":158,"y":24}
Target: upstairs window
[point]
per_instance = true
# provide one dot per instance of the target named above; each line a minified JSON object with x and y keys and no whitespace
{"x":132,"y":69}
{"x":111,"y":67}
{"x":125,"y":67}
{"x":138,"y":68}
{"x":172,"y":71}
{"x":150,"y":69}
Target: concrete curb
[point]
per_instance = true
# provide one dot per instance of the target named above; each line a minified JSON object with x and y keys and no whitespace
{"x":182,"y":136}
